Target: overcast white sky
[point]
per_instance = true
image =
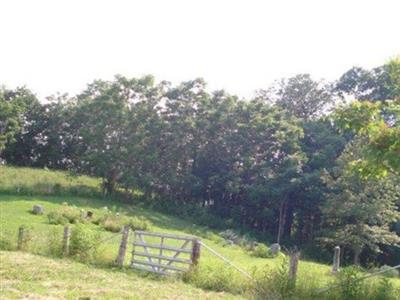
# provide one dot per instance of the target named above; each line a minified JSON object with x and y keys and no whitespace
{"x":241,"y":46}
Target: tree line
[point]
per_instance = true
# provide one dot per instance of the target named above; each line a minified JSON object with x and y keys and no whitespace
{"x":295,"y":164}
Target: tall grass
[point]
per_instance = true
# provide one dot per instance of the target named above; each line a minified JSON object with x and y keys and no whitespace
{"x":31,"y":182}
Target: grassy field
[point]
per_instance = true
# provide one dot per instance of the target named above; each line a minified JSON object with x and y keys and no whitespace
{"x":28,"y":276}
{"x":15,"y":209}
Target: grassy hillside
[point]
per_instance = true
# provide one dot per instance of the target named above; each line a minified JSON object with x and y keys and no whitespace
{"x":213,"y":274}
{"x":29,"y":181}
{"x":29,"y":276}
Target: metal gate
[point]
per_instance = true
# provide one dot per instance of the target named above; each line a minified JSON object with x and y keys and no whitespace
{"x":164,"y":253}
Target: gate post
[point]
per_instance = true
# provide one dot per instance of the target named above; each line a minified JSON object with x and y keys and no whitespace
{"x":195,"y":252}
{"x":67,"y":233}
{"x":21,"y":237}
{"x":122,"y":247}
{"x":293,"y":264}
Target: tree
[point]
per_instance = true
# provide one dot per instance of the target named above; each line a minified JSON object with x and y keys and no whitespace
{"x":359,"y":213}
{"x":378,"y":84}
{"x":308,"y":101}
{"x":46,"y":136}
{"x":101,"y":120}
{"x":300,"y":96}
{"x":13,"y":105}
{"x":377,"y":125}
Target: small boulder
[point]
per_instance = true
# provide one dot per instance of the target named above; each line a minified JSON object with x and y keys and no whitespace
{"x":228,"y":243}
{"x":37,"y":209}
{"x":275,"y":249}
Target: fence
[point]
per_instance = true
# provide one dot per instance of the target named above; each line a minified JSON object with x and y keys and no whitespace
{"x":168,"y":254}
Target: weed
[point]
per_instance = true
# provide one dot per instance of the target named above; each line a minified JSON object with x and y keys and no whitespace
{"x":54,"y":243}
{"x":84,"y":243}
{"x":350,"y":285}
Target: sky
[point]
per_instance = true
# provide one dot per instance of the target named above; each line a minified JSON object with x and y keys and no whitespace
{"x":241,"y":46}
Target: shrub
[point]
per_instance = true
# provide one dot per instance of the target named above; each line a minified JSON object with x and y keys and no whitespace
{"x":114,"y":222}
{"x":84,"y":243}
{"x":56,"y":217}
{"x":66,"y":214}
{"x":261,"y":250}
{"x":138,"y":223}
{"x":273,"y":284}
{"x":350,"y":285}
{"x":73,"y":214}
{"x":384,"y":291}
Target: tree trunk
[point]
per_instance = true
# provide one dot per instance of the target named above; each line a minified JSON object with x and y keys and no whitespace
{"x":288,"y":222}
{"x":109,"y":186}
{"x":357,"y":253}
{"x":281,"y":223}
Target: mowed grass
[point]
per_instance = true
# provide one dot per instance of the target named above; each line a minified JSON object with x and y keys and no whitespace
{"x":15,"y":211}
{"x":28,"y":276}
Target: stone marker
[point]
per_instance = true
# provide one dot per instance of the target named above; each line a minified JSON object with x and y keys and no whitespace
{"x":37,"y":209}
{"x":228,"y":243}
{"x":336,"y":260}
{"x":275,"y":249}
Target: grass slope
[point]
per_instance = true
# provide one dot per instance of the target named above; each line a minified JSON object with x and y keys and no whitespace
{"x":28,"y":276}
{"x":15,"y":205}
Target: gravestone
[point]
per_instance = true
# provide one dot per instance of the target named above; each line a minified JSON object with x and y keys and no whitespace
{"x":275,"y":249}
{"x":37,"y":209}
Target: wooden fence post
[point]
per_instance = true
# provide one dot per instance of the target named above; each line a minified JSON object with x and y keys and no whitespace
{"x":336,"y":260}
{"x":67,"y":233}
{"x":21,"y":237}
{"x":293,"y":264}
{"x":195,"y":252}
{"x":122,"y":247}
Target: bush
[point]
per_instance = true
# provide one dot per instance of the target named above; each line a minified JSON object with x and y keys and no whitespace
{"x":66,"y":214}
{"x":138,"y":223}
{"x":391,"y":273}
{"x":56,"y":217}
{"x":384,"y":291}
{"x":350,"y":285}
{"x":261,"y":250}
{"x":114,"y":222}
{"x":112,"y":225}
{"x":84,"y":243}
{"x":273,"y":284}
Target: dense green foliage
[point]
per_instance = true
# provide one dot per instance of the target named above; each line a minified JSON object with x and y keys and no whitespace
{"x":261,"y":165}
